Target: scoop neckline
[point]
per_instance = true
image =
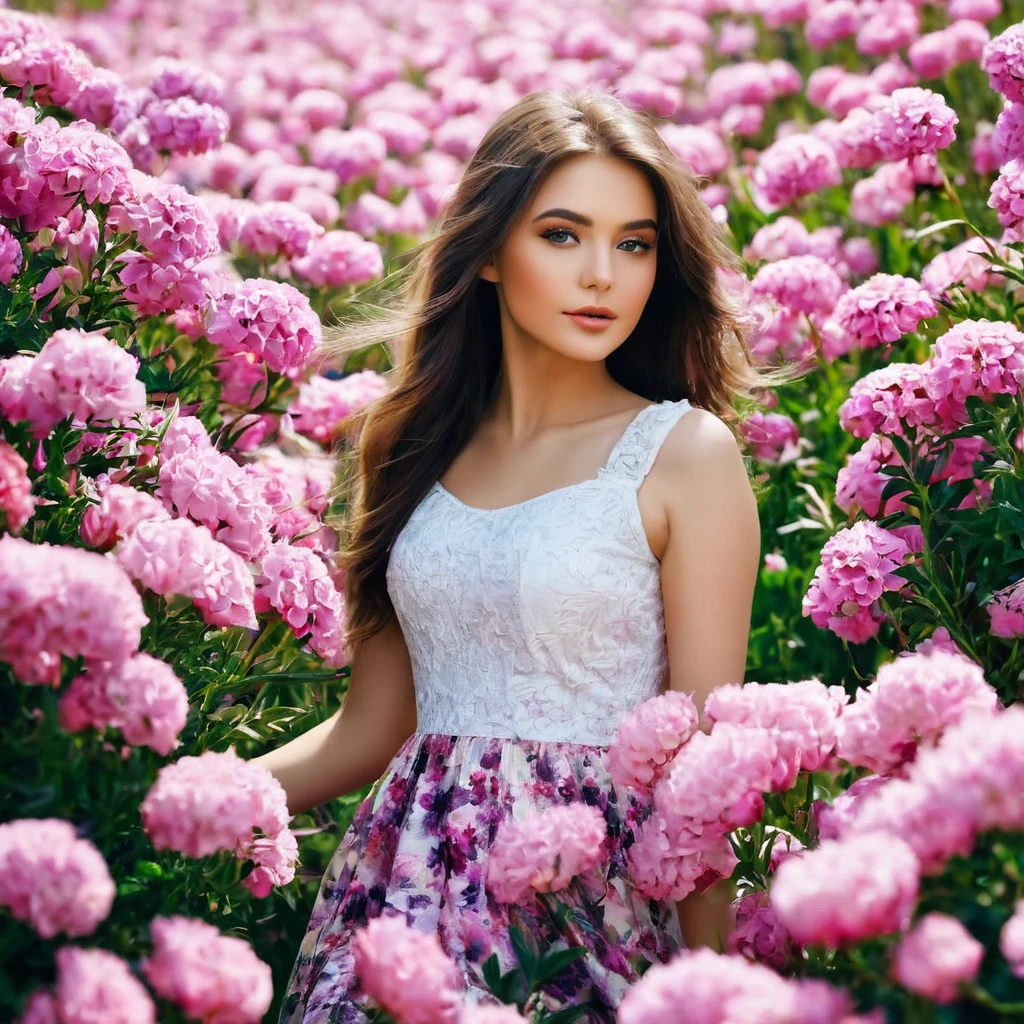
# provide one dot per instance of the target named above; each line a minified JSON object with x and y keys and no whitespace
{"x":558,"y":490}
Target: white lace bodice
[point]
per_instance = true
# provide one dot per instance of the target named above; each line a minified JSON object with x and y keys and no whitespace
{"x":541,"y":620}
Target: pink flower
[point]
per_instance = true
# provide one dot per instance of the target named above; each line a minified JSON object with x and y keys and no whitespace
{"x":774,"y":562}
{"x":119,"y":510}
{"x":805,"y":284}
{"x":10,"y":256}
{"x":1006,"y":612}
{"x":352,"y":153}
{"x":847,"y":890}
{"x":985,"y":158}
{"x":802,"y":716}
{"x":323,"y":404}
{"x":881,"y":198}
{"x":339,"y":258}
{"x":697,"y":146}
{"x":183,"y":125}
{"x":545,"y":852}
{"x":912,"y":122}
{"x":200,"y":805}
{"x":648,"y":738}
{"x":278,"y":229}
{"x":882,"y":309}
{"x":56,"y":882}
{"x":1007,"y":199}
{"x":757,"y":933}
{"x":965,"y":265}
{"x":295,"y":582}
{"x":892,"y":26}
{"x":211,"y":977}
{"x":830,"y":22}
{"x":1011,"y":941}
{"x":936,"y":956}
{"x":1003,"y":60}
{"x":834,"y":820}
{"x":63,"y":602}
{"x":142,"y":698}
{"x":857,"y":566}
{"x":1008,"y":138}
{"x":860,"y":483}
{"x":407,"y":972}
{"x":176,"y":556}
{"x":793,"y":166}
{"x":911,"y":701}
{"x":887,"y":401}
{"x":773,"y":436}
{"x":270,"y":319}
{"x":77,"y":374}
{"x":16,"y":502}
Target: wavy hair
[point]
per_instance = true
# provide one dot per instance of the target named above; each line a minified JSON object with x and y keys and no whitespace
{"x":443,"y":328}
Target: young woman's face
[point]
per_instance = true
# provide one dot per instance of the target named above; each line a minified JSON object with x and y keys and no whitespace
{"x":589,"y":238}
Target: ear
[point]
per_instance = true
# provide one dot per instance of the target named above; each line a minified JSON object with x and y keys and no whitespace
{"x":489,"y":272}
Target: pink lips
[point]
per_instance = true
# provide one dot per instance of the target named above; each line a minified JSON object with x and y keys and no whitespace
{"x":591,"y":318}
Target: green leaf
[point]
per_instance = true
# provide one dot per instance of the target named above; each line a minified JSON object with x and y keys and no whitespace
{"x":565,"y":1015}
{"x":555,"y":961}
{"x":525,"y":955}
{"x":492,"y":972}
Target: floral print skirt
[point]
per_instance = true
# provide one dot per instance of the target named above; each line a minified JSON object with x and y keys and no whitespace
{"x":418,"y":846}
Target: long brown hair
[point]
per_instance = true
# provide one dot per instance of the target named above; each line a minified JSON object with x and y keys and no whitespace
{"x":445,"y":329}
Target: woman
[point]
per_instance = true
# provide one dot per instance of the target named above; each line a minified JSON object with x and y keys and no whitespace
{"x":546,"y":533}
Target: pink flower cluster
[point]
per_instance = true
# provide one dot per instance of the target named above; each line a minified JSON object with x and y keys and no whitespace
{"x":774,"y":437}
{"x":16,"y":502}
{"x":1003,"y":61}
{"x":119,"y":511}
{"x":1011,"y":941}
{"x":848,"y":889}
{"x":717,"y":989}
{"x":298,"y":491}
{"x":936,"y":956}
{"x":802,"y":284}
{"x":92,"y":985}
{"x":217,"y":801}
{"x":758,"y":934}
{"x":857,"y":566}
{"x":142,"y":698}
{"x":911,"y":701}
{"x":339,"y":258}
{"x":294,"y":581}
{"x":52,"y":879}
{"x":881,"y":310}
{"x":649,"y":737}
{"x":407,"y":972}
{"x":211,"y":977}
{"x":323,"y":404}
{"x":794,"y":166}
{"x":545,"y":852}
{"x":63,"y":602}
{"x":1006,"y":612}
{"x":79,"y":374}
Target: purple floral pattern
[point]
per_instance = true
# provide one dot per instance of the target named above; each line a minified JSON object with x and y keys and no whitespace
{"x":418,"y":845}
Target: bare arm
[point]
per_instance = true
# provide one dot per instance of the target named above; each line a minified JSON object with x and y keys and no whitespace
{"x":708,"y":575}
{"x":353,"y":747}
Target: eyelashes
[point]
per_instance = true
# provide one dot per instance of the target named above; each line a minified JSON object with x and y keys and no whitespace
{"x":643,"y":246}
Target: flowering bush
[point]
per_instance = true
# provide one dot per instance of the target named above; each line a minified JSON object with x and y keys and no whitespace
{"x":188,"y":191}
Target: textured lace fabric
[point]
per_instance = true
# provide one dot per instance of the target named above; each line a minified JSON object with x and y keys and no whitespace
{"x":541,"y":620}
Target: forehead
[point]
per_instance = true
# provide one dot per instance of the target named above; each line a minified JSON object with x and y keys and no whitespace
{"x":605,"y":187}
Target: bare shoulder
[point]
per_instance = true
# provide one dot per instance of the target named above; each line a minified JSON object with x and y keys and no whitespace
{"x":699,"y":443}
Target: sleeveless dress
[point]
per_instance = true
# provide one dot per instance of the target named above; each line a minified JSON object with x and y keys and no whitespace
{"x":532,"y":629}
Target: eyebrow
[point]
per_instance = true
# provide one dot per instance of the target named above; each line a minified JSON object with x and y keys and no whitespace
{"x":578,"y":218}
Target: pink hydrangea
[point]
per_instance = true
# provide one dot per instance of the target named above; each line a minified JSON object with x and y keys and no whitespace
{"x":16,"y":502}
{"x":758,"y":934}
{"x":860,"y":483}
{"x":52,"y":879}
{"x":720,"y":989}
{"x":271,"y":319}
{"x":937,"y":53}
{"x":1008,"y":138}
{"x":774,"y":437}
{"x":698,"y":147}
{"x":1007,"y":199}
{"x":882,"y":197}
{"x":805,"y":284}
{"x":216,"y":801}
{"x":978,"y":358}
{"x":833,"y":820}
{"x":10,"y":256}
{"x":323,"y":404}
{"x":857,"y":568}
{"x":211,"y":488}
{"x":829,"y":22}
{"x":93,"y":987}
{"x":936,"y":957}
{"x":887,"y":401}
{"x":79,"y":374}
{"x":1011,"y":941}
{"x":184,"y":125}
{"x":545,"y":852}
{"x":278,"y":229}
{"x":648,"y":738}
{"x":882,"y":309}
{"x":298,"y":490}
{"x":142,"y":698}
{"x":802,"y":716}
{"x":855,"y":138}
{"x":911,"y":701}
{"x":61,"y":601}
{"x":914,"y":121}
{"x":176,"y":556}
{"x":1003,"y":61}
{"x":847,"y":890}
{"x":119,"y":510}
{"x":984,"y":157}
{"x":893,"y":25}
{"x":1006,"y":612}
{"x":295,"y":582}
{"x":339,"y":258}
{"x":794,"y":166}
{"x":965,"y":265}
{"x":407,"y":972}
{"x":351,"y":153}
{"x":211,"y":977}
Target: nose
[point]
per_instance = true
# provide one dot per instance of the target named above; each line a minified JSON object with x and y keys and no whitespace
{"x":597,"y":269}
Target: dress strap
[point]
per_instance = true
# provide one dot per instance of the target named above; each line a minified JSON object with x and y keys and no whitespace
{"x":638,"y":447}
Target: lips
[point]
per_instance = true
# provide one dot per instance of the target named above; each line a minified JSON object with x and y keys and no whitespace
{"x":601,"y":312}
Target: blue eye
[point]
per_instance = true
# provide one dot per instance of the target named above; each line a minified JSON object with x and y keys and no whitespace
{"x":550,"y":235}
{"x":557,"y":231}
{"x":644,"y":246}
